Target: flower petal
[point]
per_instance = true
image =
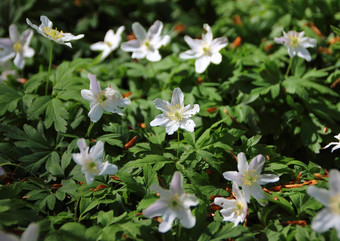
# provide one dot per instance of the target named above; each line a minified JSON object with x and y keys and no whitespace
{"x":195,"y":44}
{"x":96,"y":112}
{"x":87,"y":95}
{"x":177,"y":97}
{"x":208,"y":37}
{"x":303,"y":53}
{"x":322,"y":195}
{"x":191,"y":110}
{"x":139,"y":54}
{"x":88,"y":177}
{"x":28,"y":52}
{"x":266,"y":178}
{"x":46,"y":22}
{"x":131,"y":45}
{"x":78,"y":158}
{"x":216,"y":58}
{"x":96,"y":152}
{"x":7,"y":237}
{"x":233,"y":176}
{"x":31,"y":233}
{"x":166,"y":224}
{"x":13,"y":33}
{"x":176,"y":185}
{"x":308,"y":42}
{"x":94,"y":84}
{"x":187,"y":219}
{"x":99,"y":46}
{"x":257,"y":163}
{"x":334,"y":181}
{"x":155,"y":29}
{"x":82,"y":145}
{"x":324,"y":220}
{"x":242,"y":163}
{"x":190,"y":54}
{"x":155,"y":210}
{"x":201,"y":64}
{"x":162,"y":105}
{"x":107,"y":168}
{"x":188,"y":125}
{"x":153,"y":56}
{"x":219,"y":43}
{"x":160,"y":120}
{"x":171,"y":127}
{"x":257,"y":192}
{"x":19,"y":61}
{"x":139,"y":31}
{"x":189,"y":200}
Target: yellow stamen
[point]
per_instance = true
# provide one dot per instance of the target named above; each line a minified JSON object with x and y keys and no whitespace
{"x":206,"y":50}
{"x":293,"y":40}
{"x":175,"y":112}
{"x":101,"y":98}
{"x":335,"y":204}
{"x":53,"y":33}
{"x":17,"y":47}
{"x":249,"y":178}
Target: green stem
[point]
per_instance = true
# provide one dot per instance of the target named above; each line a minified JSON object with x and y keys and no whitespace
{"x":179,"y":231}
{"x":89,"y":129}
{"x":177,"y":144}
{"x":289,"y":66}
{"x":152,"y":69}
{"x":12,"y":164}
{"x":77,"y":203}
{"x":49,"y":67}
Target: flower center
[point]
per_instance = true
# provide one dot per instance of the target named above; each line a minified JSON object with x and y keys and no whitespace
{"x":174,"y":201}
{"x":101,"y":98}
{"x":239,"y":208}
{"x":249,"y":178}
{"x":206,"y":50}
{"x":108,"y":44}
{"x":294,"y":41}
{"x":147,"y":43}
{"x":17,"y":47}
{"x":335,"y":204}
{"x":53,"y":33}
{"x":91,"y":166}
{"x":175,"y":113}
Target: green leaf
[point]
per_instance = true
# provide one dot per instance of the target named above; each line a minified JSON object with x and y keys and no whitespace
{"x":38,"y":107}
{"x":56,"y":114}
{"x":9,"y":99}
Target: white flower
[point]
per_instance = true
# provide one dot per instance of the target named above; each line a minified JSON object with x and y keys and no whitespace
{"x":90,"y":160}
{"x":175,"y":115}
{"x":329,"y":216}
{"x":111,"y":42}
{"x":337,"y":144}
{"x":233,"y":210}
{"x":147,"y":43}
{"x":100,"y":100}
{"x":46,"y":30}
{"x":204,"y":50}
{"x":250,"y":178}
{"x":30,"y":234}
{"x":173,"y":203}
{"x":2,"y":172}
{"x":17,"y":46}
{"x":297,"y":44}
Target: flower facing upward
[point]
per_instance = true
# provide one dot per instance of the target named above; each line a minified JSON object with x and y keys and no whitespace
{"x":250,"y":178}
{"x":204,"y":50}
{"x":297,"y":44}
{"x":46,"y":30}
{"x":233,"y":210}
{"x":147,"y":43}
{"x":173,"y":203}
{"x":100,"y":100}
{"x":337,"y":144}
{"x":30,"y":234}
{"x":175,"y":115}
{"x":329,"y":216}
{"x":17,"y":46}
{"x":111,"y":42}
{"x":90,"y":161}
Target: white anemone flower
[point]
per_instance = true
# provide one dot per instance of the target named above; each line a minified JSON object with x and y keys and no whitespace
{"x":90,"y":161}
{"x":17,"y":46}
{"x":250,"y":178}
{"x":205,"y":50}
{"x":175,"y":115}
{"x":297,"y":44}
{"x":328,"y":217}
{"x":108,"y":99}
{"x":337,"y":144}
{"x":46,"y":30}
{"x":173,"y":203}
{"x":111,"y":42}
{"x":233,"y":210}
{"x":147,"y":43}
{"x":30,"y":234}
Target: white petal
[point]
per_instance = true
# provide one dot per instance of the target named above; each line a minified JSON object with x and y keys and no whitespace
{"x":96,"y":152}
{"x":336,"y":147}
{"x":189,"y":200}
{"x":161,"y":191}
{"x":139,"y":54}
{"x":177,"y":97}
{"x":280,"y":40}
{"x":225,"y":203}
{"x":69,"y":37}
{"x":257,"y":164}
{"x":131,"y":46}
{"x":176,"y":185}
{"x":7,"y":237}
{"x":6,"y":55}
{"x":246,"y":193}
{"x":216,"y":58}
{"x":201,"y":64}
{"x":19,"y":61}
{"x":164,"y":40}
{"x":322,"y":195}
{"x":191,"y":110}
{"x":5,"y":43}
{"x":94,"y":84}
{"x":160,"y":120}
{"x":266,"y":178}
{"x":308,"y":42}
{"x":96,"y":112}
{"x":334,"y":181}
{"x":120,"y":30}
{"x":33,"y":25}
{"x":28,"y":52}
{"x":208,"y":37}
{"x":155,"y":210}
{"x":46,"y":22}
{"x":139,"y":31}
{"x":187,"y":219}
{"x":109,"y":36}
{"x":324,"y":220}
{"x":107,"y":168}
{"x":303,"y":53}
{"x":291,"y":52}
{"x":242,"y":163}
{"x":188,"y":125}
{"x":171,"y":127}
{"x":105,"y":53}
{"x":87,"y":95}
{"x":13,"y":33}
{"x":99,"y":46}
{"x":257,"y":192}
{"x":26,"y":37}
{"x":193,"y":43}
{"x":166,"y":224}
{"x":78,"y":158}
{"x":161,"y":104}
{"x":233,"y":176}
{"x":31,"y":233}
{"x":155,"y":29}
{"x":153,"y":56}
{"x":89,"y":177}
{"x":219,"y":43}
{"x":237,"y":191}
{"x":82,"y":145}
{"x":190,"y":54}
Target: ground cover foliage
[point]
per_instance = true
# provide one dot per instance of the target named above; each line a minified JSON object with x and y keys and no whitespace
{"x":247,"y":104}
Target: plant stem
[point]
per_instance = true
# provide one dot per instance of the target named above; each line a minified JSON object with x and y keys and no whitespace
{"x":77,"y":203}
{"x":89,"y":129}
{"x":179,"y":231}
{"x":12,"y":164}
{"x":177,"y":143}
{"x":49,"y":67}
{"x":289,"y":66}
